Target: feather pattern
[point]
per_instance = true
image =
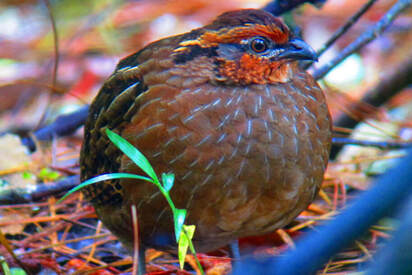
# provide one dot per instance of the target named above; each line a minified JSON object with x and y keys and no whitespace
{"x":248,"y":147}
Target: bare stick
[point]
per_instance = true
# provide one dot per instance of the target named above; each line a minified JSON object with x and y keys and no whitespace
{"x":342,"y":30}
{"x":56,"y":59}
{"x":365,"y":38}
{"x":393,"y":80}
{"x":56,"y":43}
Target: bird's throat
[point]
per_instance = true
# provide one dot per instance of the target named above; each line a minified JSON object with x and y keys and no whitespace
{"x":254,"y":70}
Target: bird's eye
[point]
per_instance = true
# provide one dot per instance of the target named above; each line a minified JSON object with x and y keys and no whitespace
{"x":259,"y":45}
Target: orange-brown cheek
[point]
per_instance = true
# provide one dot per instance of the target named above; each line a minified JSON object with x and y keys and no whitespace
{"x":254,"y":70}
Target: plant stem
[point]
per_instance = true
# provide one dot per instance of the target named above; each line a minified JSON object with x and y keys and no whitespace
{"x":192,"y":249}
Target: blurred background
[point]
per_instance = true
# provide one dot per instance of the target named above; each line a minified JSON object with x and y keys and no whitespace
{"x":54,"y":57}
{"x":94,"y":35}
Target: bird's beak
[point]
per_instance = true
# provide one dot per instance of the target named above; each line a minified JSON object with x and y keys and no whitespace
{"x":298,"y":49}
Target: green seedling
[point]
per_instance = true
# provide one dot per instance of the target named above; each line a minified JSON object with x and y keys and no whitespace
{"x":183,"y":233}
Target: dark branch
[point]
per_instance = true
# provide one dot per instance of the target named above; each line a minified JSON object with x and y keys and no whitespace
{"x":393,"y":81}
{"x":365,"y":38}
{"x":278,"y":7}
{"x":342,"y":30}
{"x":20,"y":195}
{"x":63,"y":125}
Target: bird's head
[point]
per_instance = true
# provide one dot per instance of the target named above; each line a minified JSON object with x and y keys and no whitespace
{"x":247,"y":47}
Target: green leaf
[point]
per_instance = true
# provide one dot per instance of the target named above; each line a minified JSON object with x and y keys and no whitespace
{"x":5,"y":267}
{"x":48,"y":174}
{"x":135,"y":155}
{"x":103,"y":178}
{"x":179,"y":216}
{"x":17,"y":271}
{"x":185,"y":237}
{"x":28,"y":176}
{"x":168,"y":180}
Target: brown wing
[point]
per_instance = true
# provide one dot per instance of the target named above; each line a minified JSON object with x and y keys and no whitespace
{"x":112,"y":108}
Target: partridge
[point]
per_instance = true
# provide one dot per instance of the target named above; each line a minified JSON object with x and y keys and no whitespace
{"x":228,"y":110}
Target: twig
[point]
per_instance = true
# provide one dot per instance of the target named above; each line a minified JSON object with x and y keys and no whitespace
{"x":365,"y":38}
{"x":56,"y":43}
{"x":9,"y":249}
{"x":393,"y":81}
{"x":62,"y":126}
{"x":277,"y":7}
{"x":136,"y":248}
{"x":378,"y":144}
{"x":342,"y":30}
{"x":16,"y":196}
{"x":56,"y":58}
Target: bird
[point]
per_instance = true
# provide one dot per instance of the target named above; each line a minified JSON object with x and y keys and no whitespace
{"x":226,"y":109}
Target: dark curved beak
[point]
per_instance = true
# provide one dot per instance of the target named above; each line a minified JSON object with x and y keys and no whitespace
{"x":298,"y":49}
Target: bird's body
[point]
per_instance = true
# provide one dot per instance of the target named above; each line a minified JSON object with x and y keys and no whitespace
{"x":245,"y":131}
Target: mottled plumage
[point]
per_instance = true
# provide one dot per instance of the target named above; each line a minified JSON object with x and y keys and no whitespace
{"x":226,"y":108}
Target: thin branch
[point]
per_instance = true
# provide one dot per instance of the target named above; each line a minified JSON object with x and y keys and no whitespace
{"x":20,"y":195}
{"x":55,"y":41}
{"x":9,"y":249}
{"x":56,"y":59}
{"x":342,"y":30}
{"x":365,"y":38}
{"x":63,"y":125}
{"x":392,"y":82}
{"x":136,"y":248}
